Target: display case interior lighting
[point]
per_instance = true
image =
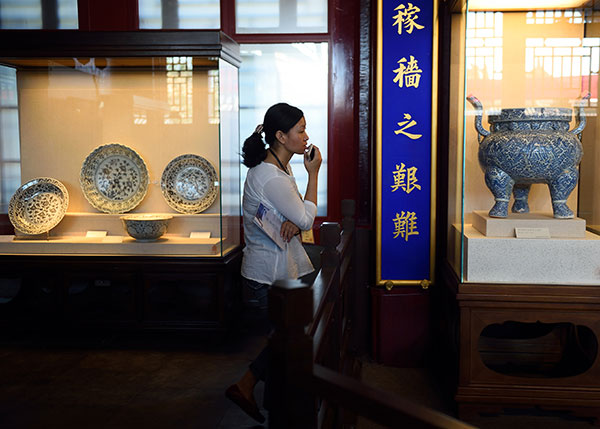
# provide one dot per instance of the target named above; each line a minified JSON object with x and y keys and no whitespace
{"x":520,"y":5}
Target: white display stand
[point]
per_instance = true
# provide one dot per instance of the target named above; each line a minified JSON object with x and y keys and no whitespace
{"x":531,"y":261}
{"x":72,"y":237}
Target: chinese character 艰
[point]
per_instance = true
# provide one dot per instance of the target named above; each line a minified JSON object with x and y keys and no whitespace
{"x":405,"y":178}
{"x":406,"y":17}
{"x":408,"y":73}
{"x":407,"y":123}
{"x":405,"y":225}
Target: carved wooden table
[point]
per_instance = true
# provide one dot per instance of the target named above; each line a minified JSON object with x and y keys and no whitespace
{"x":524,"y":346}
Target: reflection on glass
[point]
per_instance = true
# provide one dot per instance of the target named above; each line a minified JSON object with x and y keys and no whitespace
{"x":36,"y":14}
{"x":10,"y":170}
{"x":277,"y":16}
{"x":172,"y":14}
{"x":213,"y":97}
{"x":179,"y":90}
{"x":295,"y":74}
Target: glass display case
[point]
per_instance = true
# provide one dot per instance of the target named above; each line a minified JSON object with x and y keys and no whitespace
{"x":120,"y":143}
{"x":120,"y":172}
{"x":524,"y":139}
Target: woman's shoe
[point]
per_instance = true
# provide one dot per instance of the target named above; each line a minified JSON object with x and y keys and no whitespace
{"x":234,"y":393}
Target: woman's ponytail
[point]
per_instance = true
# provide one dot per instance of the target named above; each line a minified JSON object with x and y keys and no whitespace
{"x":254,"y":150}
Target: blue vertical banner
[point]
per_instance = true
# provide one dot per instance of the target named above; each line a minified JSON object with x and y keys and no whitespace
{"x":405,"y":140}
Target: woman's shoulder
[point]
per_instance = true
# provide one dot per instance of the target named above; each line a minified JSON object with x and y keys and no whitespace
{"x":264,"y":170}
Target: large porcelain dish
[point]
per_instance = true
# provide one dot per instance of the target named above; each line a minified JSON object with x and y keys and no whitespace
{"x":114,"y":178}
{"x":189,"y":184}
{"x":38,"y":205}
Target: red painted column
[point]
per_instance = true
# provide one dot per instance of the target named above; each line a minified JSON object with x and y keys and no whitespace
{"x":343,"y":146}
{"x":108,"y":15}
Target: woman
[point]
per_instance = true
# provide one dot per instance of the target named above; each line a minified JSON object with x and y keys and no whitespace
{"x":270,"y":181}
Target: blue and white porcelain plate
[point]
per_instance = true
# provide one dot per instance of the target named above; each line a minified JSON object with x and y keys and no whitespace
{"x":189,"y":184}
{"x":38,"y":205}
{"x":114,"y":178}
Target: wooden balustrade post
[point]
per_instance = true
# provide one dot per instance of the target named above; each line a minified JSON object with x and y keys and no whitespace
{"x":290,"y":356}
{"x":348,"y":211}
{"x":330,"y":238}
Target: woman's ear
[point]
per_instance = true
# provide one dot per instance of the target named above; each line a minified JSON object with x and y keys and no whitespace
{"x":280,"y":136}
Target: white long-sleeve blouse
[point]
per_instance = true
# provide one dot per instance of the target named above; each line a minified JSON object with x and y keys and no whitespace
{"x":263,"y":260}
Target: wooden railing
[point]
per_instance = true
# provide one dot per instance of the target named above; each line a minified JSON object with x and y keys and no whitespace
{"x":309,"y":364}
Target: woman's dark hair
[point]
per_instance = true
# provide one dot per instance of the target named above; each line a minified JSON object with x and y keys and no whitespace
{"x":279,"y":117}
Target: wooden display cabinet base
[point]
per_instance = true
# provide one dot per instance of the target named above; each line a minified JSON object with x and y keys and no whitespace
{"x":528,"y":346}
{"x":120,"y":292}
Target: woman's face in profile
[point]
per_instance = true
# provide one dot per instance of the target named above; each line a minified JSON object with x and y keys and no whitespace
{"x":296,"y":139}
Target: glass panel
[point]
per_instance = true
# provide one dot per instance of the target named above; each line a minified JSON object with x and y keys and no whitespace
{"x":276,"y":16}
{"x":230,"y":159}
{"x":10,"y":171}
{"x":159,"y":107}
{"x":292,"y":73}
{"x":32,"y":15}
{"x":67,"y":14}
{"x":256,"y":16}
{"x":150,"y":12}
{"x":170,"y":14}
{"x":21,"y":14}
{"x":455,"y":160}
{"x":312,"y":14}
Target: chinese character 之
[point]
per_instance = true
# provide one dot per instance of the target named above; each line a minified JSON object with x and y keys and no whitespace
{"x":407,"y":123}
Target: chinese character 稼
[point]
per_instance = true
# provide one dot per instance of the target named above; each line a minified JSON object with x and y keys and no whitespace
{"x":406,"y":17}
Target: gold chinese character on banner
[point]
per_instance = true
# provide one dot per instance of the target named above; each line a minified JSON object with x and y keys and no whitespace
{"x":405,"y":225}
{"x":407,"y":123}
{"x":405,"y":179}
{"x":406,"y":18}
{"x":408,"y":73}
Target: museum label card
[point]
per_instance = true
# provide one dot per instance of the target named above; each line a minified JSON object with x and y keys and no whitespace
{"x":95,"y":234}
{"x":199,"y":234}
{"x":532,"y":232}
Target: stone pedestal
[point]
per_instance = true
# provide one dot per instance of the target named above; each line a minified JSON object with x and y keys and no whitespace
{"x":505,"y":227}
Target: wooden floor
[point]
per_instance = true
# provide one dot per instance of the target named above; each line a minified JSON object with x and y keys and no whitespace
{"x":120,"y":381}
{"x":171,"y":381}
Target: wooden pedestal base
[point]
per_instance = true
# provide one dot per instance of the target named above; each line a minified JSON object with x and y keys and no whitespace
{"x":484,"y":386}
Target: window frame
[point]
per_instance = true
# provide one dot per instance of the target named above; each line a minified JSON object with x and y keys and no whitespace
{"x":337,"y":91}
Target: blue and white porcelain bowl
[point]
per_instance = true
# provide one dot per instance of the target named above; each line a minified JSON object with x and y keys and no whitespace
{"x":146,"y":226}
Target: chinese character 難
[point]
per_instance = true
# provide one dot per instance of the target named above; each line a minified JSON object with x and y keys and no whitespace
{"x":405,"y":225}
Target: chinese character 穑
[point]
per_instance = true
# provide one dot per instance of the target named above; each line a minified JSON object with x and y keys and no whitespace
{"x":408,"y":72}
{"x":405,"y":178}
{"x":407,"y":16}
{"x":405,"y":225}
{"x":407,"y":123}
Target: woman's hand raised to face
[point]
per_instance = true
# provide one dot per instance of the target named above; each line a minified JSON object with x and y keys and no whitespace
{"x":312,"y":165}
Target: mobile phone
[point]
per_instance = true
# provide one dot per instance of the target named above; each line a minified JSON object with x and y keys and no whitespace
{"x":311,"y":155}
